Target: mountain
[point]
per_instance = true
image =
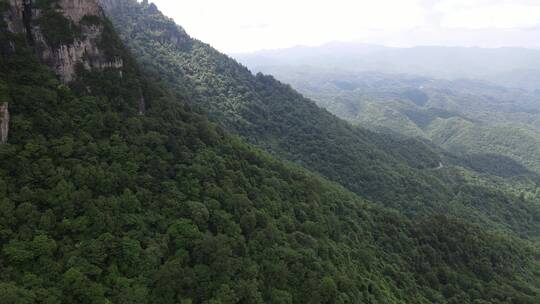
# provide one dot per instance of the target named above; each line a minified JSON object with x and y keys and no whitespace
{"x":113,"y":190}
{"x":462,"y":116}
{"x":123,"y":207}
{"x":394,"y":171}
{"x":526,"y":78}
{"x":489,"y":64}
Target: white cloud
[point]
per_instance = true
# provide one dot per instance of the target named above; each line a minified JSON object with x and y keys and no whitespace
{"x":483,"y":14}
{"x":244,"y":25}
{"x":237,"y":25}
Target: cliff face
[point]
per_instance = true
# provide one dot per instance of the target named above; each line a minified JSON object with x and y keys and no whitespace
{"x":77,"y":9}
{"x":64,"y":33}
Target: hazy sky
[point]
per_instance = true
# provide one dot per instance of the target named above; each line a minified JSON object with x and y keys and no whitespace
{"x":248,"y":25}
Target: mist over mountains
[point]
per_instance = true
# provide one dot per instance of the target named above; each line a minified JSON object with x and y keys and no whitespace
{"x":510,"y":67}
{"x":466,"y":100}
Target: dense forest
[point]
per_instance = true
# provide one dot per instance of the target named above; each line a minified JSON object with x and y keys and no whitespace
{"x":465,"y":117}
{"x":395,"y":171}
{"x":114,"y":190}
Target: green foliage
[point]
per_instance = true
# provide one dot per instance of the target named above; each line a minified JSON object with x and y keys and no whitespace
{"x":418,"y":97}
{"x":4,"y":6}
{"x":392,"y":170}
{"x":12,"y":294}
{"x":91,"y":20}
{"x":464,"y":117}
{"x":110,"y":43}
{"x":99,"y":204}
{"x":515,"y":141}
{"x":57,"y":29}
{"x":45,"y":4}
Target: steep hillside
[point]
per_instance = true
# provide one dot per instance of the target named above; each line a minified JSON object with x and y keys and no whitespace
{"x":101,"y":202}
{"x":397,"y":172}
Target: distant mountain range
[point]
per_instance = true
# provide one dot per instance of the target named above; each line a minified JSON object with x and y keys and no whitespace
{"x":510,"y":67}
{"x":463,"y":116}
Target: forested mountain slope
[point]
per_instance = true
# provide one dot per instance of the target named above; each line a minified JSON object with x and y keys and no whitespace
{"x":113,"y":191}
{"x":462,"y":116}
{"x":395,"y":171}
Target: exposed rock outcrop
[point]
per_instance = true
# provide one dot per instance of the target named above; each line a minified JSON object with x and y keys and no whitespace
{"x":14,"y":17}
{"x":77,"y":9}
{"x":4,"y":122}
{"x":25,"y":17}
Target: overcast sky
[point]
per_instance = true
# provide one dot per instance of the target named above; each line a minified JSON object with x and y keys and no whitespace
{"x":247,"y":25}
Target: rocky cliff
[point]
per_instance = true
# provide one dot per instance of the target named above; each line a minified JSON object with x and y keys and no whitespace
{"x":65,"y":34}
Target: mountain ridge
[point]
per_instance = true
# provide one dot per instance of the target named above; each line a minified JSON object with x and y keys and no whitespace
{"x":498,"y":65}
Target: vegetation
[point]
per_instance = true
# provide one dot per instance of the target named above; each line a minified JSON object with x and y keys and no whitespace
{"x":394,"y":171}
{"x":518,"y":142}
{"x":100,"y":204}
{"x":57,"y":29}
{"x":464,"y":117}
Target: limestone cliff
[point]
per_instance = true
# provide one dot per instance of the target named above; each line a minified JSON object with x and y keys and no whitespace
{"x":64,"y":33}
{"x":77,"y":9}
